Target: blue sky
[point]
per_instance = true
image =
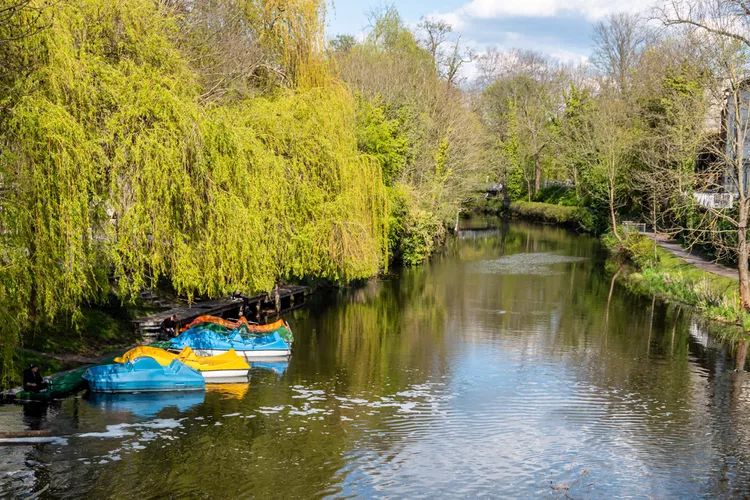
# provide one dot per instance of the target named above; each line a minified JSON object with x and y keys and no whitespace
{"x":560,"y":28}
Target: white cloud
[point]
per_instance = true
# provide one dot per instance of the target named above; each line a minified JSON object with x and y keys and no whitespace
{"x":568,"y":57}
{"x":590,"y":9}
{"x":453,"y":18}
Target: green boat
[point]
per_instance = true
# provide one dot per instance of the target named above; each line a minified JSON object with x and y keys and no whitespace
{"x":60,"y":385}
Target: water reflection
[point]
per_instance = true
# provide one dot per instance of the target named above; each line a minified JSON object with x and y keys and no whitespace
{"x":147,"y":404}
{"x":448,"y":380}
{"x":277,"y":367}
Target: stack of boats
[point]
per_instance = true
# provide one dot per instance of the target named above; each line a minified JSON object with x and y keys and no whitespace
{"x":208,"y":350}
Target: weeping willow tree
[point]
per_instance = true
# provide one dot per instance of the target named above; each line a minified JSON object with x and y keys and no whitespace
{"x":116,"y":174}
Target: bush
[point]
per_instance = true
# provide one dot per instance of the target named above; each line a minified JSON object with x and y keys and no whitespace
{"x":573,"y":217}
{"x":558,"y":195}
{"x":640,"y":250}
{"x":420,"y":238}
{"x":413,"y":233}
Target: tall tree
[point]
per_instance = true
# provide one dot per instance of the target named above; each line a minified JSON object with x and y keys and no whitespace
{"x":434,"y":33}
{"x":669,"y":87}
{"x":439,"y":39}
{"x":531,"y":85}
{"x":618,"y":42}
{"x":609,"y":145}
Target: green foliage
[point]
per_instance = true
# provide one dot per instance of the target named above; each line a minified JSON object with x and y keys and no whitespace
{"x":399,"y":205}
{"x":343,"y":43}
{"x":413,"y":233}
{"x":573,"y":127}
{"x":558,"y":195}
{"x":511,"y":159}
{"x":640,"y":250}
{"x":435,"y":144}
{"x":423,"y":231}
{"x":381,"y":138}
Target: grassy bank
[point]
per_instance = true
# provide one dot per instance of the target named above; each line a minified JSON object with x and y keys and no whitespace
{"x":656,"y":272}
{"x":576,"y":218}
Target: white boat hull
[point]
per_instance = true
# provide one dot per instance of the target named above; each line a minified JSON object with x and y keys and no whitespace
{"x":259,"y":354}
{"x":209,"y":375}
{"x":228,"y":380}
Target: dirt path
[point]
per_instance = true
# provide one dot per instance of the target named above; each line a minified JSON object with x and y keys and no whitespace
{"x":676,"y":249}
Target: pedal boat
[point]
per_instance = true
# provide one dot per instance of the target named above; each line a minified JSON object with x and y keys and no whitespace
{"x":224,"y":366}
{"x":144,"y":374}
{"x":242,"y":326}
{"x":210,"y":343}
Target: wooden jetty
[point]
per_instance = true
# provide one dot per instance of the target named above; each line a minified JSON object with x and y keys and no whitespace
{"x":282,"y":299}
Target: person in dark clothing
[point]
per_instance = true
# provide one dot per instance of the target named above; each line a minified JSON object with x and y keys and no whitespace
{"x":32,"y":380}
{"x":169,"y":326}
{"x":246,"y":310}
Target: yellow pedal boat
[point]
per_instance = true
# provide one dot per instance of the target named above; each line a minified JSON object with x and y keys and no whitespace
{"x":223,"y":367}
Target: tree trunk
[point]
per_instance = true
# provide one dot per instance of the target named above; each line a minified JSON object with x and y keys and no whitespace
{"x":653,"y":222}
{"x":612,"y":213}
{"x":537,"y":173}
{"x":742,"y":257}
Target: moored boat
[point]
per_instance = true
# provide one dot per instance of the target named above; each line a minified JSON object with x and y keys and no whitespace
{"x":210,"y":343}
{"x":161,"y":356}
{"x":226,"y":366}
{"x":144,"y":374}
{"x":242,"y":326}
{"x":60,"y":385}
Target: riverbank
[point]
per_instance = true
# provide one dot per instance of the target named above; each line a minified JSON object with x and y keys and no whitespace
{"x":576,"y":218}
{"x":650,"y":270}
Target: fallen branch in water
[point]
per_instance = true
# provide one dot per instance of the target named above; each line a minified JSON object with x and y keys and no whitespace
{"x":23,"y":434}
{"x":565,"y":487}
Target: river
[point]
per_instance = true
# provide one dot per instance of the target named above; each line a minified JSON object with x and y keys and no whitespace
{"x":506,"y":367}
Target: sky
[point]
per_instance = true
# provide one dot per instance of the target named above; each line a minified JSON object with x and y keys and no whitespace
{"x":559,"y":28}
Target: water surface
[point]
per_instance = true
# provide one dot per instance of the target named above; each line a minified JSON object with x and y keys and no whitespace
{"x":510,"y":366}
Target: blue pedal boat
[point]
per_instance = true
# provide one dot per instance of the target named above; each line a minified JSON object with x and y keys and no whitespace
{"x":211,"y":343}
{"x":144,"y":374}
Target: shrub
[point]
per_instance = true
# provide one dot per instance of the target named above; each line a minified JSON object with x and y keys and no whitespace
{"x":640,"y":250}
{"x":558,"y":195}
{"x":413,"y":233}
{"x":573,"y":217}
{"x":420,"y":237}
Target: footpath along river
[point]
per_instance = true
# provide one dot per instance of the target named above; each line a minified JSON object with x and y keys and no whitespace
{"x":507,"y":367}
